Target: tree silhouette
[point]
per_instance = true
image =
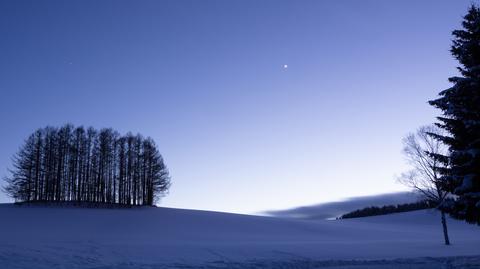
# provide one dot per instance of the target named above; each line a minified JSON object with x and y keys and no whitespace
{"x":86,"y":165}
{"x":420,"y":149}
{"x":460,"y":106}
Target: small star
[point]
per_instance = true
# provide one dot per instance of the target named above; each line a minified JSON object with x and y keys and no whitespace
{"x":285,"y":66}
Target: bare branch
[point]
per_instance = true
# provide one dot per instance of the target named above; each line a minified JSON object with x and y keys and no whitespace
{"x":419,"y":149}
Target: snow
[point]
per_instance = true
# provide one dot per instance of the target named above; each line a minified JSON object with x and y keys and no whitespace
{"x":53,"y":237}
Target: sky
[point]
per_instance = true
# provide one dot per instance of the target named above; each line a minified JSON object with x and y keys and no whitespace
{"x":254,"y":105}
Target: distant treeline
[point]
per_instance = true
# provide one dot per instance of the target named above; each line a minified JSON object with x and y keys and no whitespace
{"x":388,"y":209}
{"x":86,"y":165}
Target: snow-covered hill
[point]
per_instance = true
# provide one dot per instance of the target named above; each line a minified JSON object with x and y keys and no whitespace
{"x":49,"y":237}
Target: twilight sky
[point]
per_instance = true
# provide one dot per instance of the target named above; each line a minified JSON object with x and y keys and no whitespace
{"x":206,"y":80}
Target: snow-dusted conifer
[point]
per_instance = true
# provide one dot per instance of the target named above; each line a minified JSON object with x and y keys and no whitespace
{"x":460,"y":107}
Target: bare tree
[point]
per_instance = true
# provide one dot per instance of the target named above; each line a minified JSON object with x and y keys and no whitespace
{"x":424,"y":177}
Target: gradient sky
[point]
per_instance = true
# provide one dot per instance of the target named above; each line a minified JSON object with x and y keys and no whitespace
{"x":205,"y":79}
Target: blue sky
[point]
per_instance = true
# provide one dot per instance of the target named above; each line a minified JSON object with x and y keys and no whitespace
{"x":205,"y":79}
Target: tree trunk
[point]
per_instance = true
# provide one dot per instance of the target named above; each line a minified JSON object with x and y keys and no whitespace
{"x":445,"y":231}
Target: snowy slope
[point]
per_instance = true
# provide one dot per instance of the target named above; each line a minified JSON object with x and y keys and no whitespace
{"x":46,"y":237}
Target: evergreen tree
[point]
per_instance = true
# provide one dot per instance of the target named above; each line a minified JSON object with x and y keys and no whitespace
{"x":460,"y":107}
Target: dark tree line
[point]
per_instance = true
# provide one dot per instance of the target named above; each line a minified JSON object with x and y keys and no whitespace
{"x":86,"y":165}
{"x":460,"y":106}
{"x":388,"y":209}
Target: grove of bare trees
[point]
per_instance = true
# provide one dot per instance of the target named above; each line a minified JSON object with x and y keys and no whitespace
{"x":86,"y":165}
